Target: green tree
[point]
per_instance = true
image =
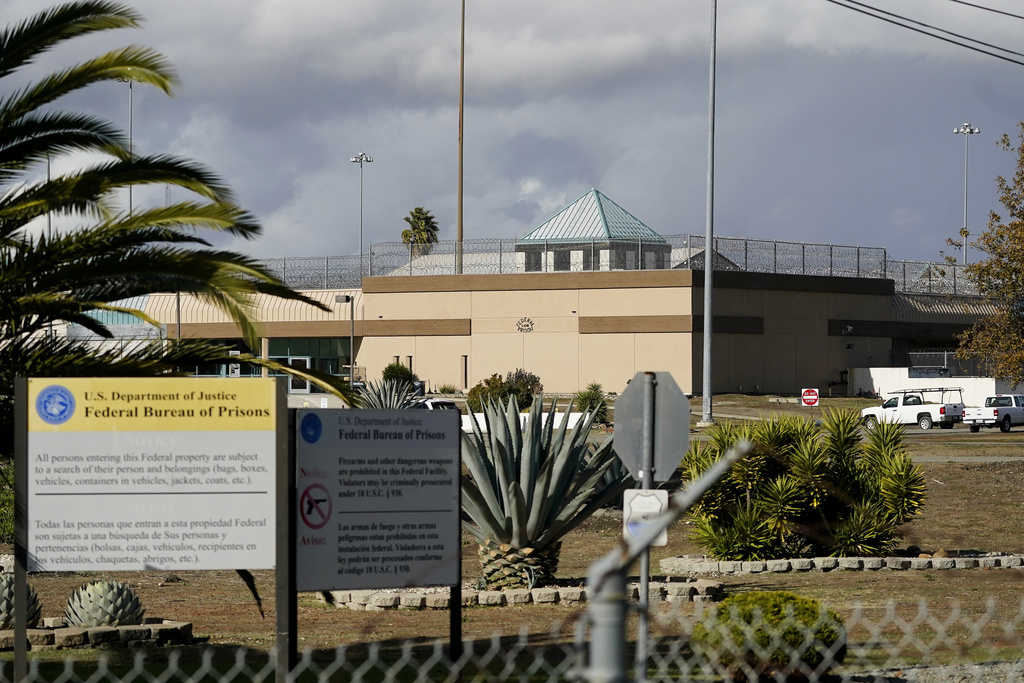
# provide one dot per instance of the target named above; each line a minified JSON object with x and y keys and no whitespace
{"x":422,"y":230}
{"x":113,"y":254}
{"x":997,"y":341}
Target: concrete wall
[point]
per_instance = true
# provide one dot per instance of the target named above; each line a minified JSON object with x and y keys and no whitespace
{"x":884,"y":380}
{"x":773,"y":333}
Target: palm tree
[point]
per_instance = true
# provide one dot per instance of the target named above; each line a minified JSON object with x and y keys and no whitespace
{"x":113,"y":254}
{"x":422,"y":230}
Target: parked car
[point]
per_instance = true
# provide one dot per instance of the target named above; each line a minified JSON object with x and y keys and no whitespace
{"x":909,"y":406}
{"x":1002,"y":410}
{"x":437,"y":404}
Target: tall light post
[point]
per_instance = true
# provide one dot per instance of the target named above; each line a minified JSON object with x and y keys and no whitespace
{"x":131,"y":117}
{"x":707,"y":418}
{"x":462,"y":80}
{"x":967,"y":130}
{"x":359,"y":159}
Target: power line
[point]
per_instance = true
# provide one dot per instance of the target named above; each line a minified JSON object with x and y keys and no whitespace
{"x":988,"y":9}
{"x":935,"y":28}
{"x":899,"y":19}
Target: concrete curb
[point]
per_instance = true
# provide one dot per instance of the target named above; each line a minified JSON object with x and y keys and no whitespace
{"x":671,"y":589}
{"x":685,"y":566}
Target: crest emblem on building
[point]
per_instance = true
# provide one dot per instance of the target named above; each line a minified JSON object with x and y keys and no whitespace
{"x":524,"y":325}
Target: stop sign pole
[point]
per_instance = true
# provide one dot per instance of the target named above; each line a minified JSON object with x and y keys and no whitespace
{"x":646,"y":477}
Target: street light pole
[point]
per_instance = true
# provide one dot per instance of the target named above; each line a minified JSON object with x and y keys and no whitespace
{"x":967,"y":130}
{"x":707,"y":417}
{"x":359,"y":159}
{"x":462,"y":81}
{"x":131,"y":117}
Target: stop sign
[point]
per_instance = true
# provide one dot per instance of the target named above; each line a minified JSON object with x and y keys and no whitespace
{"x":671,"y":425}
{"x":809,"y":397}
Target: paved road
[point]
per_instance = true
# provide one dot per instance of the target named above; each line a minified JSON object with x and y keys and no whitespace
{"x":959,"y":436}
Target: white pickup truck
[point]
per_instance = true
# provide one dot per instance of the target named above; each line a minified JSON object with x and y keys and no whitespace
{"x":1002,"y":410}
{"x":908,"y":406}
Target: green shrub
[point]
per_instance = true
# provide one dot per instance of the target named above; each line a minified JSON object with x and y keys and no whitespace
{"x":493,"y":388}
{"x":520,"y":384}
{"x":396,"y":372}
{"x":7,"y":503}
{"x":761,"y":634}
{"x":805,"y":490}
{"x":446,"y":389}
{"x":593,"y":399}
{"x":524,"y":386}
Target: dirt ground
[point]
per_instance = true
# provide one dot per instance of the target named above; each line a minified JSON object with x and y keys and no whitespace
{"x":971,"y":505}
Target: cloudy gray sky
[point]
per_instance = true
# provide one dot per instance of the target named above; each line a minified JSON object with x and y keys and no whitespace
{"x":832,"y":126}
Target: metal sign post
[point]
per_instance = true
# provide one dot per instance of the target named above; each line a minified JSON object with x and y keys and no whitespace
{"x":652,"y":433}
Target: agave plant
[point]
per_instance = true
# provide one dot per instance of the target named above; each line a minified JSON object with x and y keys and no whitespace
{"x":103,"y":603}
{"x":388,"y":395}
{"x":7,"y":603}
{"x":528,"y":486}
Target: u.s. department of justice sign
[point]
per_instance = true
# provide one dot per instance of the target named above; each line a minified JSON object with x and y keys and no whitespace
{"x":148,"y":473}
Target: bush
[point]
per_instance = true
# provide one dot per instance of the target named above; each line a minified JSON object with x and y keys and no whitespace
{"x":396,"y":372}
{"x":7,"y":503}
{"x":524,"y":386}
{"x":593,"y":399}
{"x":493,"y":388}
{"x":761,"y":634}
{"x":447,"y":389}
{"x":520,"y":384}
{"x":805,"y":490}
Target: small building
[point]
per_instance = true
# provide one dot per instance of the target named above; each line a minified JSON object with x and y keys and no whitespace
{"x":593,"y":233}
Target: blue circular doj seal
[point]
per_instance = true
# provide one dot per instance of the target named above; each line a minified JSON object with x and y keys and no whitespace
{"x":311,"y":428}
{"x":55,"y":404}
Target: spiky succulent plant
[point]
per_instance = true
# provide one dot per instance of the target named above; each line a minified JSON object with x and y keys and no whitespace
{"x":528,"y":486}
{"x":388,"y":395}
{"x":7,"y":603}
{"x":103,"y":603}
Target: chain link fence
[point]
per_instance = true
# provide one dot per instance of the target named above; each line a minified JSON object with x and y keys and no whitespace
{"x":509,"y":256}
{"x":941,"y":360}
{"x":877,"y":643}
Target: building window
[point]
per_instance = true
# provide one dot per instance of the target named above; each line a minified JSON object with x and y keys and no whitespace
{"x":562,"y":259}
{"x":533,"y":261}
{"x":465,"y":372}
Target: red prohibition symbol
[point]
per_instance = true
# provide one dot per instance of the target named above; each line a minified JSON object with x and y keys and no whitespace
{"x":315,"y":506}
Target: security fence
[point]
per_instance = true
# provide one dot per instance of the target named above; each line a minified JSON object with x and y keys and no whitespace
{"x":943,"y":362}
{"x":877,"y":643}
{"x":509,"y":256}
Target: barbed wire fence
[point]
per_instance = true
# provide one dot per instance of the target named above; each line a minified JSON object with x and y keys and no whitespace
{"x":509,"y":256}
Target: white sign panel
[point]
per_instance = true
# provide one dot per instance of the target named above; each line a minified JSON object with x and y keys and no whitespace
{"x":143,"y":473}
{"x":378,"y":496}
{"x":638,"y":507}
{"x":809,"y":397}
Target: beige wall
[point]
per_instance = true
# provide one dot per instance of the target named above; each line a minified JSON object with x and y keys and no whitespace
{"x":775,"y":333}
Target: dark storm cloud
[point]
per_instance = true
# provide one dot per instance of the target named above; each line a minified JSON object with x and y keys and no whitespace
{"x":832,"y":127}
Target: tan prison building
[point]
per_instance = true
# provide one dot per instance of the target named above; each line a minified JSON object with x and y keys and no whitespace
{"x":594,"y":295}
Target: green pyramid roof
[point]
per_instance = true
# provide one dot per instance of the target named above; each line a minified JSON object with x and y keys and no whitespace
{"x":592,"y":217}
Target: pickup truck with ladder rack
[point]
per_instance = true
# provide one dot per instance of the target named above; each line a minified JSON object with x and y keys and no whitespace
{"x":909,"y":406}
